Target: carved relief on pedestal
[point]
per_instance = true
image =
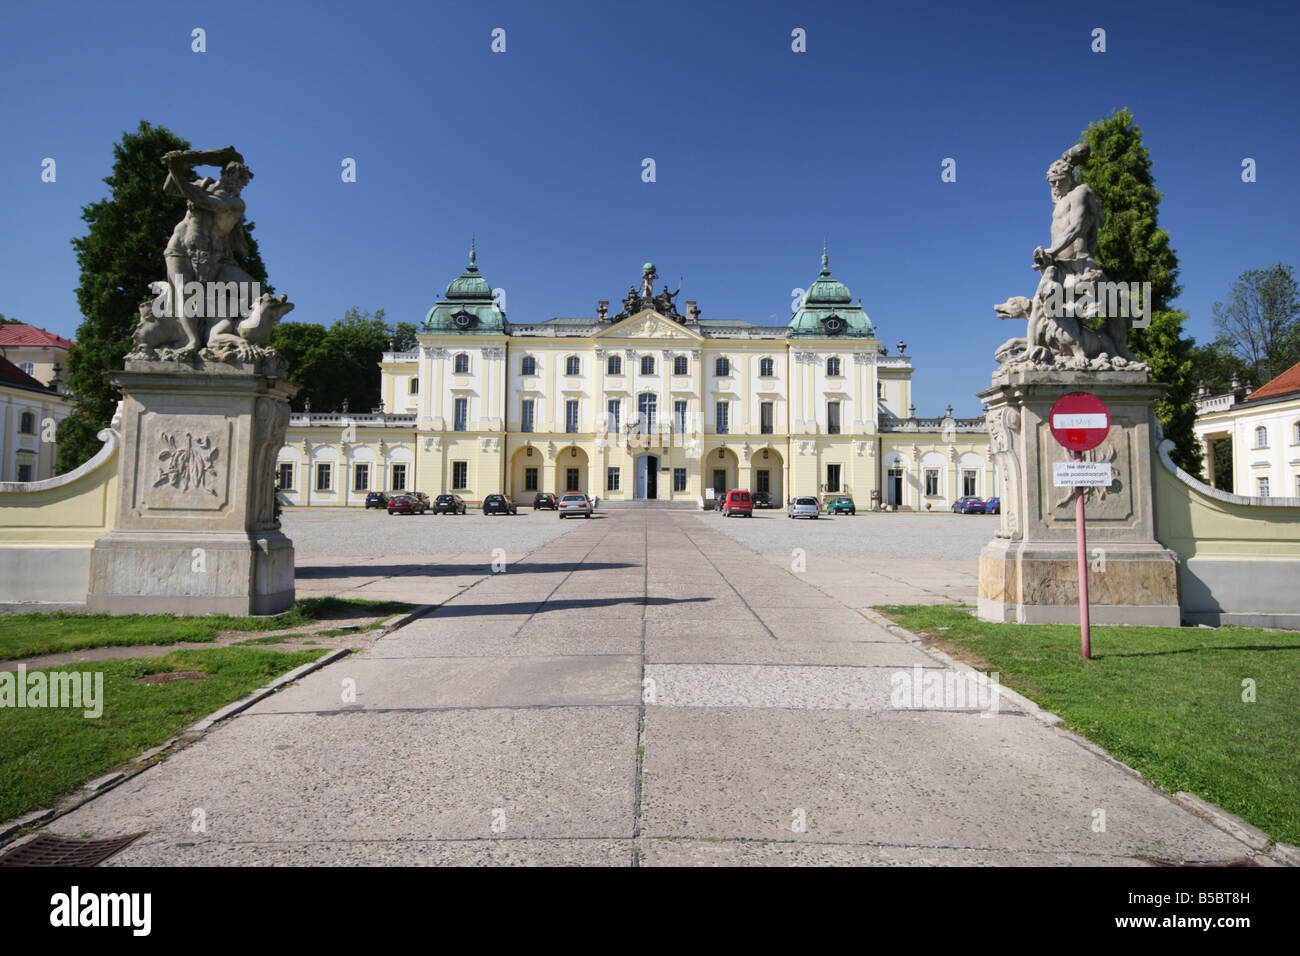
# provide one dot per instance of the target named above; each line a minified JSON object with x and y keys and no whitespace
{"x":1003,"y":425}
{"x":270,"y":421}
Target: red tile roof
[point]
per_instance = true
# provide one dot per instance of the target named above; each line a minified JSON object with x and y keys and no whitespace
{"x":11,"y":374}
{"x":29,"y":336}
{"x":1284,"y":384}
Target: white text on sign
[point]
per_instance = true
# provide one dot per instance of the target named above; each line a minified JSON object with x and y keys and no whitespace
{"x":1083,"y":474}
{"x":1086,"y":420}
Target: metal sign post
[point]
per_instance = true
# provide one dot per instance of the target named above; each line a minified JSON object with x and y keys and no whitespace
{"x":1080,"y":421}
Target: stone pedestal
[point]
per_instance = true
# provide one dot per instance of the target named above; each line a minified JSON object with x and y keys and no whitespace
{"x":1029,"y":571}
{"x":195,"y":532}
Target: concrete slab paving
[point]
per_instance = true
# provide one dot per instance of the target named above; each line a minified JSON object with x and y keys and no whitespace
{"x":510,"y":725}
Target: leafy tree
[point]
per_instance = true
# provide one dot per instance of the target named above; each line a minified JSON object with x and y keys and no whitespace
{"x":121,"y":253}
{"x":1260,"y":323}
{"x":1133,"y":248}
{"x":1216,"y":367}
{"x":8,"y":321}
{"x":341,"y":362}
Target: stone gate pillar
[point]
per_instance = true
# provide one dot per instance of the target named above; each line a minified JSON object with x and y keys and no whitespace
{"x":195,"y":530}
{"x":1028,"y":572}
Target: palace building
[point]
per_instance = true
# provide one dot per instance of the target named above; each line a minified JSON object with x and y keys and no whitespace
{"x":644,"y":404}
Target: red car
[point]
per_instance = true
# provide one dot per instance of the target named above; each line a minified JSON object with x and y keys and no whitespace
{"x":405,"y":505}
{"x":738,"y":503}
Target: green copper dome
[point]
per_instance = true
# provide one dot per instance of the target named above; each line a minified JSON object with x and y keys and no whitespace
{"x":468,"y":305}
{"x":829,"y":311}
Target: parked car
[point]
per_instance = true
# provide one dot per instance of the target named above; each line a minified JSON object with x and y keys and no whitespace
{"x":762,"y":500}
{"x":737,"y":502}
{"x":574,"y":504}
{"x":803,"y":508}
{"x":842,"y":504}
{"x":970,"y":505}
{"x":499,"y":505}
{"x":376,"y":499}
{"x":423,"y":498}
{"x":405,"y":505}
{"x":993,"y":506}
{"x":449,"y":505}
{"x":544,"y":499}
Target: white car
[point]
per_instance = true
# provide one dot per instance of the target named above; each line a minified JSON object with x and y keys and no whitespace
{"x":803,"y":508}
{"x":572,"y":505}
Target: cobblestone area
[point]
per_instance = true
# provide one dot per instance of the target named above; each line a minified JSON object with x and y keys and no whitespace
{"x":943,"y":537}
{"x":358,"y":533}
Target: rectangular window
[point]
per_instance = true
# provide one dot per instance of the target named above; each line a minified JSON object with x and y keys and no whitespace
{"x":530,"y":479}
{"x":611,"y":479}
{"x":459,"y":475}
{"x":615,"y":414}
{"x":832,"y":477}
{"x":723,"y":414}
{"x":286,"y":476}
{"x":679,"y":365}
{"x":360,"y":477}
{"x":572,"y":479}
{"x":1261,"y":487}
{"x":647,"y":406}
{"x":399,"y":477}
{"x":931,"y":481}
{"x":968,"y":484}
{"x":324,"y":475}
{"x":679,"y":479}
{"x":462,"y":415}
{"x":571,"y":417}
{"x":765,"y":418}
{"x":764,"y":483}
{"x":679,"y":415}
{"x":24,"y":472}
{"x":832,"y":418}
{"x":526,"y":415}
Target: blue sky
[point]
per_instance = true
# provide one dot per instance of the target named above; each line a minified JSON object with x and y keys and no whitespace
{"x":760,"y":152}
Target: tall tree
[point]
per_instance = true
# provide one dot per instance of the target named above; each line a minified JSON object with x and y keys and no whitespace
{"x":341,"y":362}
{"x":1260,"y":322}
{"x":121,"y":253}
{"x":1135,"y":249}
{"x":8,"y":321}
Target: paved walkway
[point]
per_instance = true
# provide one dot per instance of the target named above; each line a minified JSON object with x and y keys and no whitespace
{"x":641,"y":690}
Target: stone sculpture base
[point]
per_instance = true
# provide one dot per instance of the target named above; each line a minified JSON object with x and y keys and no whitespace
{"x":195,"y":532}
{"x":1029,"y":572}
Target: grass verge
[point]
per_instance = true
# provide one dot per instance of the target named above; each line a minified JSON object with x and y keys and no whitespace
{"x":34,"y":633}
{"x":1169,"y":702}
{"x":46,"y":752}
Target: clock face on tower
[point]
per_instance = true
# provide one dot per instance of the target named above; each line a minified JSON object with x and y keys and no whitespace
{"x":834,"y":324}
{"x":463,"y":320}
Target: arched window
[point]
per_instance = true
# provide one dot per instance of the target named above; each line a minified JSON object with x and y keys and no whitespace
{"x":528,"y":366}
{"x":615,"y":365}
{"x":722,"y":368}
{"x":461,"y":366}
{"x":832,"y":366}
{"x":1261,"y":437}
{"x":414,"y":387}
{"x":27,"y":423}
{"x":572,"y":366}
{"x":679,"y":365}
{"x":647,"y":365}
{"x":647,"y":404}
{"x":766,"y":368}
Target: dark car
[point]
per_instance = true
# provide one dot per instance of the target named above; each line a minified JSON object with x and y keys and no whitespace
{"x":544,"y":499}
{"x":449,"y":505}
{"x":841,"y":505}
{"x":762,"y":500}
{"x":405,"y":505}
{"x":970,"y":505}
{"x":499,"y":505}
{"x":993,"y":506}
{"x":376,"y":499}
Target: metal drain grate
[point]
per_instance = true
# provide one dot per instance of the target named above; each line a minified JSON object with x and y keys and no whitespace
{"x":48,"y":850}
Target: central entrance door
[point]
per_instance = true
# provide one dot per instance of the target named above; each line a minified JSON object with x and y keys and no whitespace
{"x":647,"y":477}
{"x":894,"y":486}
{"x":720,"y":481}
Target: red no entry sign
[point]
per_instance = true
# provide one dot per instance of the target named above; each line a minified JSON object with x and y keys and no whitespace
{"x":1080,"y":421}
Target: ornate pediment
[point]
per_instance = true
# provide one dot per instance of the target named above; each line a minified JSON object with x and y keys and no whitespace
{"x":649,"y":324}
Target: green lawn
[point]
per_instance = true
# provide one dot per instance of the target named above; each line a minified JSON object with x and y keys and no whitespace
{"x":1166,"y":701}
{"x":46,"y":752}
{"x":27,"y":635}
